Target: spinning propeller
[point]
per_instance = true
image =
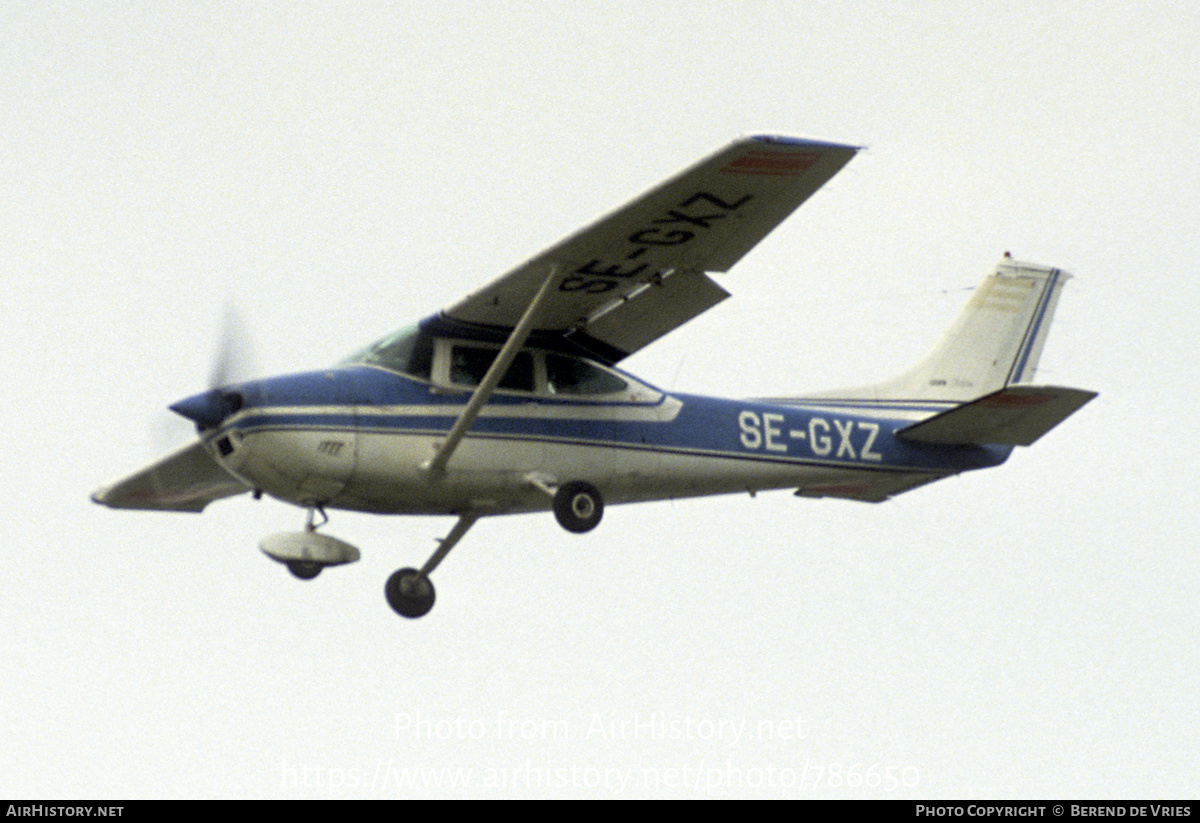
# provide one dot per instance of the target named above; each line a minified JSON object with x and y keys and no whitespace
{"x":209,"y":408}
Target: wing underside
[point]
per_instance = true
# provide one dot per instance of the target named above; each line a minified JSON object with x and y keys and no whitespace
{"x":640,"y":272}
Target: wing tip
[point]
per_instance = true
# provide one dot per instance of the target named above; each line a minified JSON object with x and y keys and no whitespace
{"x":805,"y":142}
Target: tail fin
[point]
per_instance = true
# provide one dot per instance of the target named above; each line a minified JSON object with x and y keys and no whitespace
{"x":995,"y":342}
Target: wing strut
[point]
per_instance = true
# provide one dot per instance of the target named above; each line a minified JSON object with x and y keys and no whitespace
{"x":436,"y":465}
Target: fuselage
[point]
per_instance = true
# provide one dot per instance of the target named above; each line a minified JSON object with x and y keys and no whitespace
{"x":355,"y":437}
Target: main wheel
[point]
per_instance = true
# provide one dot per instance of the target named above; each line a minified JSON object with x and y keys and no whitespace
{"x":304,"y":569}
{"x":409,"y":593}
{"x":578,"y":506}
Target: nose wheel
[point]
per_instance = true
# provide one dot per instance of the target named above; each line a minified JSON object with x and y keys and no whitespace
{"x":304,"y":569}
{"x":306,"y":553}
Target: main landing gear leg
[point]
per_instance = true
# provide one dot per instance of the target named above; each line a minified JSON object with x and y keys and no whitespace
{"x":409,"y":592}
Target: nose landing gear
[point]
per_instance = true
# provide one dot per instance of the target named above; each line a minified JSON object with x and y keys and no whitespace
{"x":306,"y":553}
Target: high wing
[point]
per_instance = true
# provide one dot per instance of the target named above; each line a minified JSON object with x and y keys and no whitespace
{"x":186,"y":480}
{"x":640,"y":272}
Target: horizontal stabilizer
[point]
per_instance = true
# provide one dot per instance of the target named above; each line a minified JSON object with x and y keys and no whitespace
{"x":184,"y":481}
{"x":1014,"y":416}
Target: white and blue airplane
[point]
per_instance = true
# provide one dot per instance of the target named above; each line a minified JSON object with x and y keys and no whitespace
{"x":510,"y":400}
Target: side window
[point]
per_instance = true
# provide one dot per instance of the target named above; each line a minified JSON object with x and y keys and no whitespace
{"x":469,"y":364}
{"x":568,"y":375}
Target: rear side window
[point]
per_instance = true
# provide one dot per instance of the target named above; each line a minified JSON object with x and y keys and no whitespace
{"x":469,"y":364}
{"x":568,"y":375}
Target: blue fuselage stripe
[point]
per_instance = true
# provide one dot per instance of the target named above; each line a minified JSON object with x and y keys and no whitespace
{"x":373,"y":401}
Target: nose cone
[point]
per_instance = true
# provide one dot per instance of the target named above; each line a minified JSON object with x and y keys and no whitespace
{"x":209,"y":409}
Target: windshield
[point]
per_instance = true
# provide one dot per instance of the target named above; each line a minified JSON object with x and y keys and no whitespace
{"x":409,"y":351}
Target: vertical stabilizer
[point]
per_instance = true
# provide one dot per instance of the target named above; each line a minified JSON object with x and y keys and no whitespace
{"x":996,"y":340}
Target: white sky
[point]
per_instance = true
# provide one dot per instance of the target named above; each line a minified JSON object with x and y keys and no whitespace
{"x":338,"y":170}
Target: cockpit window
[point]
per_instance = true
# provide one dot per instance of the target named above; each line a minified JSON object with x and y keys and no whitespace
{"x":463,"y":365}
{"x":409,"y":351}
{"x":468,"y":365}
{"x":568,"y":375}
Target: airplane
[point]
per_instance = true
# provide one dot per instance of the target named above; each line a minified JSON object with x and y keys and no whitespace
{"x":510,"y":400}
